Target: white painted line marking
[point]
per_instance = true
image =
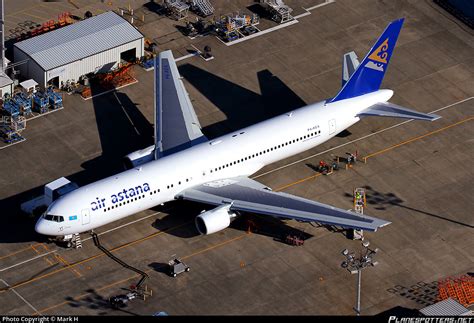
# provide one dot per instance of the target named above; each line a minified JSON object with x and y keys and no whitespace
{"x":260,"y":33}
{"x":125,"y":112}
{"x":21,"y":297}
{"x":13,"y":143}
{"x":108,"y":91}
{"x":124,"y":225}
{"x":43,"y":114}
{"x":304,"y":14}
{"x":28,"y":120}
{"x":187,"y":56}
{"x":320,"y":5}
{"x":283,"y":25}
{"x":28,"y":260}
{"x":99,"y":234}
{"x":358,"y":139}
{"x":307,"y":13}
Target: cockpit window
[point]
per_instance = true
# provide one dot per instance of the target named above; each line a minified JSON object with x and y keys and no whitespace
{"x":55,"y":218}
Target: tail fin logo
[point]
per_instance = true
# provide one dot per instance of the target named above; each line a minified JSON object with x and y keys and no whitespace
{"x":378,"y":57}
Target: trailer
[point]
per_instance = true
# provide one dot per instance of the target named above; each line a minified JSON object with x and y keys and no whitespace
{"x":177,"y":266}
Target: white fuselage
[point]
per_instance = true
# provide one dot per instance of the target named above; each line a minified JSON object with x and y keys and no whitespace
{"x":240,"y":153}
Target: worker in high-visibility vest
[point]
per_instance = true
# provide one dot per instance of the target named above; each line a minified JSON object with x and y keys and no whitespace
{"x":358,"y":198}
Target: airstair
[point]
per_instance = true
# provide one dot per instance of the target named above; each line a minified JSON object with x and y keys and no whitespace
{"x":204,"y":7}
{"x":76,"y":241}
{"x":360,"y":201}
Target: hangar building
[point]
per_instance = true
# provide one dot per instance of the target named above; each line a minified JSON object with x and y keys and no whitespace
{"x":96,"y":44}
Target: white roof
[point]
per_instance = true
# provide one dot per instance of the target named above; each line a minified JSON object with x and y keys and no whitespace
{"x":28,"y":84}
{"x":448,"y":307}
{"x":79,"y":40}
{"x":4,"y":80}
{"x":57,"y":183}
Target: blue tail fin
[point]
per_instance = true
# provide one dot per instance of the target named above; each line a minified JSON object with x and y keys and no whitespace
{"x":369,"y":75}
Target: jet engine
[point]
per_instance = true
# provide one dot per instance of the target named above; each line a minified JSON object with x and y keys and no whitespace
{"x":139,"y":157}
{"x":215,"y":220}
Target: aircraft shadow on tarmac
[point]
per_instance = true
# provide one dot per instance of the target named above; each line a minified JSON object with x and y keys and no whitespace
{"x":123,"y":129}
{"x":241,"y":106}
{"x":383,"y":201}
{"x":179,"y":222}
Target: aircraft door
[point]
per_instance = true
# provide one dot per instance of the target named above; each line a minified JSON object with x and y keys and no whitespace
{"x":86,"y":217}
{"x":332,"y":126}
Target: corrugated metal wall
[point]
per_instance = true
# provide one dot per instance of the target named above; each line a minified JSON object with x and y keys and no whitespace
{"x":29,"y":70}
{"x":103,"y":61}
{"x":73,"y":71}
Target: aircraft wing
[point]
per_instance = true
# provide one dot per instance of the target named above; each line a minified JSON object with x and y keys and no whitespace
{"x":247,"y":195}
{"x":176,"y":124}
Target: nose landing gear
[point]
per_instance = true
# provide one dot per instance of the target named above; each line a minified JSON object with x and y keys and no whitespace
{"x":69,"y":241}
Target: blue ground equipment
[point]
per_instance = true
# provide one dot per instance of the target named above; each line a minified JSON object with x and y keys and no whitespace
{"x":55,"y":99}
{"x":40,"y":102}
{"x":23,"y":102}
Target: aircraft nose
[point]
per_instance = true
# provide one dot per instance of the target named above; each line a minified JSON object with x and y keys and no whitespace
{"x":42,"y":227}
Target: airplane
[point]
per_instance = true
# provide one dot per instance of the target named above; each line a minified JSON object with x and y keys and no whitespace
{"x":184,"y":165}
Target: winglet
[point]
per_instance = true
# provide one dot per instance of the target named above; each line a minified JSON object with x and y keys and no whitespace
{"x":369,"y":74}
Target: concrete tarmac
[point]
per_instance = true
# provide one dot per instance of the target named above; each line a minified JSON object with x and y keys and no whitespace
{"x":418,"y":175}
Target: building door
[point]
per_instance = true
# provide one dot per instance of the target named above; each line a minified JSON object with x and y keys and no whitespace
{"x":54,"y":82}
{"x":86,"y":217}
{"x":332,"y":126}
{"x":129,"y":55}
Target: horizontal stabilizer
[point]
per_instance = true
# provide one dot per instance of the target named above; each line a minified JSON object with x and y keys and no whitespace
{"x":385,"y":109}
{"x":350,"y":64}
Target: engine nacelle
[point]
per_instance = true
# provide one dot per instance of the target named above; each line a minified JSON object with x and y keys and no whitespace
{"x":139,"y":157}
{"x":215,"y":220}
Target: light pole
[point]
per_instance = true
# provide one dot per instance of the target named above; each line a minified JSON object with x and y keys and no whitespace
{"x":355,"y":265}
